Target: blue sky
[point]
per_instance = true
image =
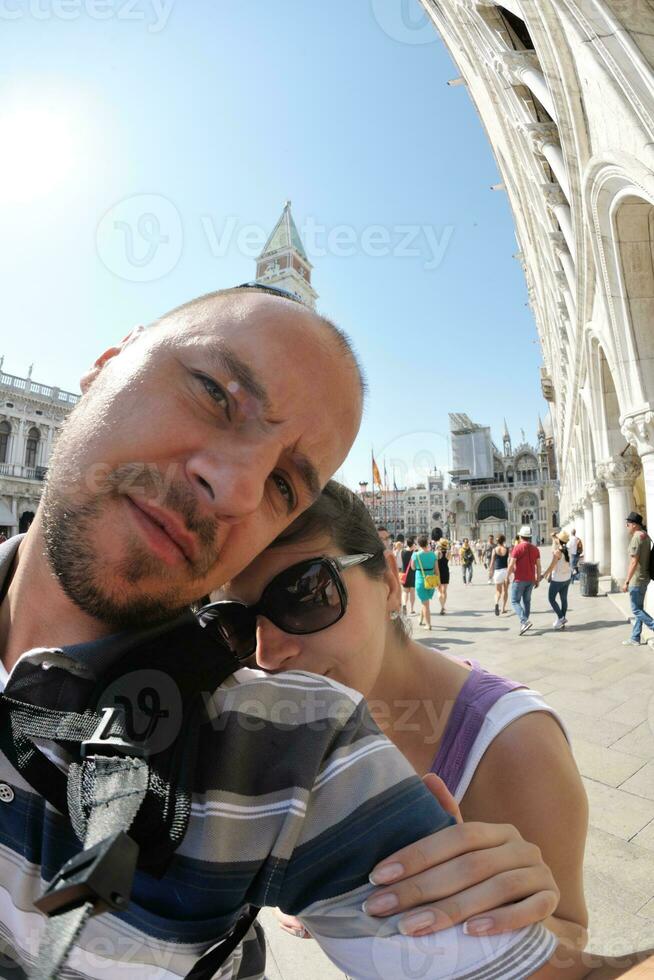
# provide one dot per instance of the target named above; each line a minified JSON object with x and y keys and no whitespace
{"x":190,"y":124}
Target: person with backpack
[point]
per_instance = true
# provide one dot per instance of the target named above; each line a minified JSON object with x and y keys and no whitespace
{"x":639,"y":575}
{"x":467,"y":556}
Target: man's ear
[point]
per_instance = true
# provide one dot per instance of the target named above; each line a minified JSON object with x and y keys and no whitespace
{"x":89,"y":377}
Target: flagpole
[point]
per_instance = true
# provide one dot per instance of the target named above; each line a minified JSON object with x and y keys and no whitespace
{"x":372,"y":483}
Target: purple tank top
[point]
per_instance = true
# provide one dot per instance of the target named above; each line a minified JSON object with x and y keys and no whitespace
{"x":477,"y":696}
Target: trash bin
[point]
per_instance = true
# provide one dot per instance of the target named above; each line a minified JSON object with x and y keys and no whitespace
{"x":589,"y":578}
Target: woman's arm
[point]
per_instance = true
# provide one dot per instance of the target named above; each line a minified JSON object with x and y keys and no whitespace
{"x":492,"y":564}
{"x":553,"y":563}
{"x":528,"y":778}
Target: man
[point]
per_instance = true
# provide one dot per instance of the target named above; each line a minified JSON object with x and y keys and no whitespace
{"x":524,"y":565}
{"x":467,"y":561}
{"x":638,"y":578}
{"x":488,"y":551}
{"x":191,"y":448}
{"x":573,"y":549}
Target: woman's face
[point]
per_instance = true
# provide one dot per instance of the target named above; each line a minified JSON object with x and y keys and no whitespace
{"x":351,"y":651}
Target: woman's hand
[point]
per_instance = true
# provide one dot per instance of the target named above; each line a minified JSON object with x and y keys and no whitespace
{"x":292,"y":926}
{"x":484,"y":875}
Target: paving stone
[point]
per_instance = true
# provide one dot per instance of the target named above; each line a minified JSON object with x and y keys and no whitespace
{"x":621,"y":814}
{"x":614,"y":865}
{"x":640,"y":741}
{"x":605,"y":765}
{"x":641,"y":783}
{"x":594,"y":705}
{"x":646,"y":837}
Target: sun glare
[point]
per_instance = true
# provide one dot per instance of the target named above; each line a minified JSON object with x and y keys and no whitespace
{"x":38,"y":151}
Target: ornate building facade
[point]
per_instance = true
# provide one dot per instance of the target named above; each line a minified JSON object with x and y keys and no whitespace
{"x":30,"y":416}
{"x":565,"y":91}
{"x":522,"y":490}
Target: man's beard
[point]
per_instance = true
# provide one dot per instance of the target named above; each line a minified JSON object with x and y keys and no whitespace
{"x":69,"y":525}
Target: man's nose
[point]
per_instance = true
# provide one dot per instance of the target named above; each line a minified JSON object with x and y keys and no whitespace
{"x":276,"y":649}
{"x":232,"y":487}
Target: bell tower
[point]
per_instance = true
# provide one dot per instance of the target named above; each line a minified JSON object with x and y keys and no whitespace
{"x":283,"y":261}
{"x":507,"y":440}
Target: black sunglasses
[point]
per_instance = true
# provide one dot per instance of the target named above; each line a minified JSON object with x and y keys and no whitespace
{"x":304,"y":598}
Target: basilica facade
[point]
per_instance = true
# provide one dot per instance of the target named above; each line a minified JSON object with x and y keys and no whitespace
{"x":523,"y":489}
{"x":565,"y":91}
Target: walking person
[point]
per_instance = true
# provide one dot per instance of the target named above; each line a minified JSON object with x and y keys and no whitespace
{"x":443,"y":558}
{"x":488,"y":550}
{"x":408,"y":578}
{"x":467,"y":556}
{"x":499,"y":572}
{"x":424,"y":564}
{"x":638,"y":578}
{"x":524,"y":565}
{"x":559,"y":575}
{"x":575,"y":552}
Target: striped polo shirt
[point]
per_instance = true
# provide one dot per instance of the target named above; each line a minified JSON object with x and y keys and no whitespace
{"x":297,"y":796}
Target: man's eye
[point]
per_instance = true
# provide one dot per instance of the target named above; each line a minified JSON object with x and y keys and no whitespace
{"x":216,"y":392}
{"x":285,"y":489}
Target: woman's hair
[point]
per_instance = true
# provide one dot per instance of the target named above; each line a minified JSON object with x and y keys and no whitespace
{"x":501,"y":538}
{"x":563,"y":547}
{"x":423,"y":540}
{"x":400,"y":538}
{"x":410,"y":542}
{"x":340,"y":515}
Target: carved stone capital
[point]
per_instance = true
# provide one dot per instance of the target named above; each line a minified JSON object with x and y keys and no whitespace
{"x":638,"y":429}
{"x":563,"y":309}
{"x":554,"y":194}
{"x":559,"y":244}
{"x":511,"y":64}
{"x":620,"y":471}
{"x":597,"y":492}
{"x":561,"y":280}
{"x":541,"y":133}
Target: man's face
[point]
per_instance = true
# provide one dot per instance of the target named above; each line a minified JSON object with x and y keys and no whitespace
{"x":193,"y":447}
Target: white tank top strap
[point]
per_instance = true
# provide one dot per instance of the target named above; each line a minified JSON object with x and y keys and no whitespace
{"x":506,"y":709}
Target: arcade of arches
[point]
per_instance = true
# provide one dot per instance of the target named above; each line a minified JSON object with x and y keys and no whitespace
{"x":578,"y":169}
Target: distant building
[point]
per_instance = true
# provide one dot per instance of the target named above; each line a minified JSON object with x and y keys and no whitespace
{"x":31,"y":414}
{"x":284,"y":262}
{"x":520,"y":487}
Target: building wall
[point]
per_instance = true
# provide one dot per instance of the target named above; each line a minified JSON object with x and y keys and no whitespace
{"x":567,"y":102}
{"x":26,"y":406}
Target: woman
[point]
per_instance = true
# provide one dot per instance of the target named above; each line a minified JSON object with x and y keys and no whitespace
{"x":558,"y":575}
{"x":499,"y":573}
{"x":424,"y":564}
{"x":467,"y":560}
{"x":499,"y":749}
{"x":443,"y":557}
{"x":398,"y":548}
{"x":408,"y":578}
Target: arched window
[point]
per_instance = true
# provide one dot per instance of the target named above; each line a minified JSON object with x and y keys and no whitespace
{"x":492,"y":507}
{"x":5,"y":432}
{"x":32,"y":447}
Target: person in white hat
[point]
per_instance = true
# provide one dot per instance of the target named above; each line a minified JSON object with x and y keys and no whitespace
{"x":525,"y":568}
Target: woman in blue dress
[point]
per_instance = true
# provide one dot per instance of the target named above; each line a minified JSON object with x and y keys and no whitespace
{"x":424,"y":563}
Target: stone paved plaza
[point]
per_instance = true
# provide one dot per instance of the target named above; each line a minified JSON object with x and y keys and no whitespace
{"x":605,"y":694}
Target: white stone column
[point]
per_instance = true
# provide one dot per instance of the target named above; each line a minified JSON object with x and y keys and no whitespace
{"x":544,"y":138}
{"x":589,"y":527}
{"x":619,"y":475}
{"x":523,"y":68}
{"x":578,"y":520}
{"x":601,"y":526}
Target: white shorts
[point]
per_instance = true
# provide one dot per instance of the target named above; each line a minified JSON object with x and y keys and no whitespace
{"x":500,"y":576}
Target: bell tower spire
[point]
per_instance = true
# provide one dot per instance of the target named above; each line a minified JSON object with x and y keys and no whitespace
{"x":284,"y":262}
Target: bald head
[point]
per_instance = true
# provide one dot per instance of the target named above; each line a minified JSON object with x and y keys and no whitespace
{"x":202,"y":308}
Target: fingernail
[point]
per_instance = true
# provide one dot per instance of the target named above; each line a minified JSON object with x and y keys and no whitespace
{"x":414,"y":923}
{"x":386,"y":873}
{"x":478,"y":927}
{"x":381,"y":903}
